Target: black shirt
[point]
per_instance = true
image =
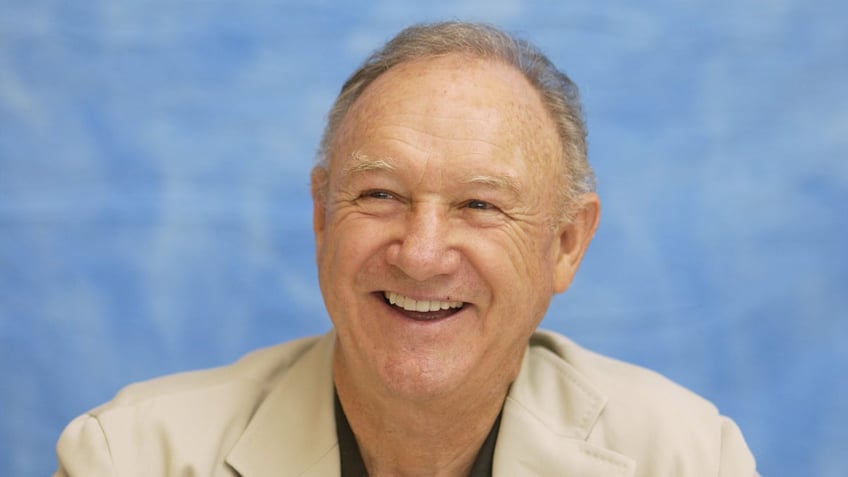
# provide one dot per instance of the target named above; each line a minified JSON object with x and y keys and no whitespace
{"x":351,"y":458}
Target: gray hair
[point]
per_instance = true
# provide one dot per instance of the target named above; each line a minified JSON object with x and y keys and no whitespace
{"x":558,"y":93}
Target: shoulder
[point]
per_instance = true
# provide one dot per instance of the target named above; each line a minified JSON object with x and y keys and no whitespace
{"x":622,"y":383}
{"x":253,"y":374}
{"x":193,"y":416}
{"x":666,"y":428}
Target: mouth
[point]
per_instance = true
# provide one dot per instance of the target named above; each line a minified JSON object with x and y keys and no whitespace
{"x":422,"y":310}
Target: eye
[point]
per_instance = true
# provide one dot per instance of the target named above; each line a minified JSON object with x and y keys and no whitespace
{"x":379,"y":202}
{"x":480,"y":205}
{"x":376,"y":194}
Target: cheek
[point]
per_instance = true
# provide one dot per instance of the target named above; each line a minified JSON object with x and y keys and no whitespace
{"x":529,"y":253}
{"x":518,"y":269}
{"x":342,"y":277}
{"x":350,"y":247}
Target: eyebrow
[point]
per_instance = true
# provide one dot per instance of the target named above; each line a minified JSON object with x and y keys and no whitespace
{"x":362,"y":163}
{"x":505,"y":183}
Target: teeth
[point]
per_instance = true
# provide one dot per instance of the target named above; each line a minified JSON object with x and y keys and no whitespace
{"x":409,"y":304}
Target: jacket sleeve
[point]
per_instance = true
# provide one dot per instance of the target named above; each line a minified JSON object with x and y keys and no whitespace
{"x":83,"y":450}
{"x":736,"y":458}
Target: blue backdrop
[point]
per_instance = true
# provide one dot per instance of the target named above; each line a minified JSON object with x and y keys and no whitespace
{"x":155,"y":216}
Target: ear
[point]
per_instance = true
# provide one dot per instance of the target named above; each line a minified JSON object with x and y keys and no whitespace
{"x":574,"y":238}
{"x":319,"y":179}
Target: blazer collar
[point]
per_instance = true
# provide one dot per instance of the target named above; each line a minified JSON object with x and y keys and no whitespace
{"x":293,"y":432}
{"x":547,"y":418}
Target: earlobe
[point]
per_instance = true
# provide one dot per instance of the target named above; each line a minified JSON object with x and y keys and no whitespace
{"x":574,"y":239}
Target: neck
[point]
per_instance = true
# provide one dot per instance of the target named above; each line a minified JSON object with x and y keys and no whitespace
{"x":431,"y":437}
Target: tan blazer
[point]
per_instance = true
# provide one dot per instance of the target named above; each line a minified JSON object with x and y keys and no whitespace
{"x":570,"y":412}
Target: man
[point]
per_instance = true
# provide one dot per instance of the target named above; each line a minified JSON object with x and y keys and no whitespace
{"x":452,"y":199}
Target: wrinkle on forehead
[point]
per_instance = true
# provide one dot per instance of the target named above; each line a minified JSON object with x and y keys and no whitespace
{"x":362,"y":163}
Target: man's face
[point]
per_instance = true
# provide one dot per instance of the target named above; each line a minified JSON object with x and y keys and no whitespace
{"x":436,"y":251}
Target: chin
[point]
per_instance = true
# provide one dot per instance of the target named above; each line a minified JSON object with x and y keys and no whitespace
{"x":423,"y":379}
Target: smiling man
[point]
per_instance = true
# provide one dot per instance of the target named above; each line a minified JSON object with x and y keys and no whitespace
{"x":452,"y":200}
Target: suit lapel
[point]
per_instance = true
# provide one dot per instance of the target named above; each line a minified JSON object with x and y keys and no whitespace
{"x":293,"y":432}
{"x":547,"y":418}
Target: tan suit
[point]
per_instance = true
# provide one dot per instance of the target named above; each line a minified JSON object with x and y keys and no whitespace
{"x":570,"y":412}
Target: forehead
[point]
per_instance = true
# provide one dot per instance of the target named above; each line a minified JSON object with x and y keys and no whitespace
{"x":467,"y":105}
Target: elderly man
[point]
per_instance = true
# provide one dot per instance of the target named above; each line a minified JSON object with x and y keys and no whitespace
{"x":452,"y":199}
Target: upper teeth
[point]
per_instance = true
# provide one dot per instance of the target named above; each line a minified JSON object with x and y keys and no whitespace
{"x":409,"y":304}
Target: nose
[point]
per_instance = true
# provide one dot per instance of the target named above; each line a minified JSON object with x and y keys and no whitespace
{"x":425,"y":248}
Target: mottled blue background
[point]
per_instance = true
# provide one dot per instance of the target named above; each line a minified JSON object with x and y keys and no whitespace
{"x":154,"y":209}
